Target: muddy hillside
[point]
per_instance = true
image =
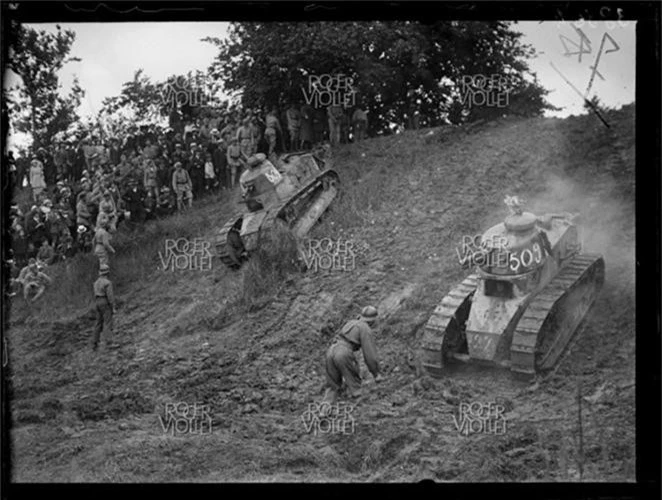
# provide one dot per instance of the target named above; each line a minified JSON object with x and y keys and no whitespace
{"x":253,"y":355}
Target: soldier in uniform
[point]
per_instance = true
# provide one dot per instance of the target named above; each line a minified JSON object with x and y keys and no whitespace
{"x":33,"y":280}
{"x":341,"y":364}
{"x":105,"y":307}
{"x":182,"y":185}
{"x":335,"y":115}
{"x":235,"y":162}
{"x":101,"y":241}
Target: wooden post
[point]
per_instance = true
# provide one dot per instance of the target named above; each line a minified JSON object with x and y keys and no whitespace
{"x":580,"y":457}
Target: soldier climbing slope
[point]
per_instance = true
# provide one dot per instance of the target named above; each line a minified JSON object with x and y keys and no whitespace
{"x":341,"y":363}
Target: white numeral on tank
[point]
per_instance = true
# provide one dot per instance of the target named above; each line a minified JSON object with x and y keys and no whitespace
{"x":514,"y":262}
{"x":537,"y":253}
{"x":526,"y":252}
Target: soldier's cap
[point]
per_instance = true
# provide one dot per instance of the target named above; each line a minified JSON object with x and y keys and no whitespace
{"x":178,"y":164}
{"x":369,"y":313}
{"x":104,"y":269}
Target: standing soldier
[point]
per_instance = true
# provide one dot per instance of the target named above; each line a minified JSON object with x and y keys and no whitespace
{"x":293,"y":125}
{"x":182,"y":185}
{"x":360,"y":123}
{"x":335,"y":115}
{"x":150,"y":179}
{"x":235,"y":162}
{"x":101,"y":241}
{"x":341,"y":361}
{"x":105,"y":306}
{"x":246,"y":138}
{"x":307,"y":137}
{"x":37,"y":180}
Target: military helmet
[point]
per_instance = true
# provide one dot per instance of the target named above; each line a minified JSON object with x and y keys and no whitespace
{"x":104,"y":269}
{"x":369,"y":314}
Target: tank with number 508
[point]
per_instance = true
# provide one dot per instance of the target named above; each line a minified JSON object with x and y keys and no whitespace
{"x":523,"y":304}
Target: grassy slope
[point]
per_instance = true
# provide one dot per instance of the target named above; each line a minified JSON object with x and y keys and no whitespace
{"x":406,"y":201}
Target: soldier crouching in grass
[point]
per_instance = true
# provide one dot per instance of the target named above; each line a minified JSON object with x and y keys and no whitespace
{"x":341,"y":361}
{"x":33,"y":280}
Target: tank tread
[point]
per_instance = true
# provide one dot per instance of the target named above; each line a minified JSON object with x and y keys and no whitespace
{"x":438,"y":324}
{"x":223,"y":247}
{"x":552,"y":317}
{"x":296,"y":205}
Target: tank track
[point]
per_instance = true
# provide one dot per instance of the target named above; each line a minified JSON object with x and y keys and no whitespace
{"x":289,"y":210}
{"x":223,"y":248}
{"x":551,"y":319}
{"x":445,"y":326}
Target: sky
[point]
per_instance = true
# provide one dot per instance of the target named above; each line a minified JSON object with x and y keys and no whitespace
{"x":110,"y":53}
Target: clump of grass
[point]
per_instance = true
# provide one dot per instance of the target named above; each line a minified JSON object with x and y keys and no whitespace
{"x":276,"y":258}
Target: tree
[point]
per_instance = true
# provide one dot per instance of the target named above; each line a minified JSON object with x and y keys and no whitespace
{"x":37,"y":107}
{"x":145,"y":101}
{"x":398,"y":67}
{"x":140,"y":97}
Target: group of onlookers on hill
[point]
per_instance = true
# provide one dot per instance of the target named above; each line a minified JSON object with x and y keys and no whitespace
{"x":77,"y":192}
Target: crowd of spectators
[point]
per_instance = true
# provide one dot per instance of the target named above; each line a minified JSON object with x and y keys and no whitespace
{"x":71,"y":188}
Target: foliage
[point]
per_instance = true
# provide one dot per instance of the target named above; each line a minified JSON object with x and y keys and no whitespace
{"x":36,"y":107}
{"x":394,"y":65}
{"x":144,"y":101}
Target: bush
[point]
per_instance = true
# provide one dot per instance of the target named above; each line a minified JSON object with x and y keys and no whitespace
{"x":269,"y":266}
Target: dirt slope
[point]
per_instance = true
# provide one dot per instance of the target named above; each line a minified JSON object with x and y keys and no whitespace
{"x":407,"y":200}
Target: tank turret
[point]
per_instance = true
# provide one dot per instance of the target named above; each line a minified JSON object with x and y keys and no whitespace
{"x":524,"y":300}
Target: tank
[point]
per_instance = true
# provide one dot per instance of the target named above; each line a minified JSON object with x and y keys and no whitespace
{"x":530,"y":289}
{"x":296,"y":199}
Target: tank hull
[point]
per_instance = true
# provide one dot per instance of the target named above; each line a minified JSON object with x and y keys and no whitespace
{"x":298,"y":211}
{"x":541,"y":329}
